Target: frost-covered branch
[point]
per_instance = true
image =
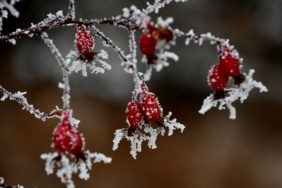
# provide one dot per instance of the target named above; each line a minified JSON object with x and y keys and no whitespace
{"x":8,"y":5}
{"x":65,"y":69}
{"x":144,"y":113}
{"x":20,"y":98}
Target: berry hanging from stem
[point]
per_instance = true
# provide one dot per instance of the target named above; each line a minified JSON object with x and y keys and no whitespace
{"x":85,"y":44}
{"x":67,"y":139}
{"x":134,"y":115}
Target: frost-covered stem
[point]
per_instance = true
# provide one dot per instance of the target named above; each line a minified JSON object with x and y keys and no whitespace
{"x":64,"y":67}
{"x":71,"y":9}
{"x":49,"y":24}
{"x":10,"y":7}
{"x":198,"y":38}
{"x":66,"y":91}
{"x":54,"y":50}
{"x":108,"y":41}
{"x":19,"y":98}
{"x":132,"y":45}
{"x":158,"y":4}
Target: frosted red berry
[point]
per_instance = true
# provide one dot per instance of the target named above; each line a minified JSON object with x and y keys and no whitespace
{"x":229,"y":62}
{"x":67,"y":139}
{"x":134,"y":115}
{"x":151,"y":108}
{"x":84,"y":42}
{"x":217,"y":80}
{"x":148,"y":45}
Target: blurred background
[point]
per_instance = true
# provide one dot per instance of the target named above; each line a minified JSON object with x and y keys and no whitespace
{"x":213,"y":151}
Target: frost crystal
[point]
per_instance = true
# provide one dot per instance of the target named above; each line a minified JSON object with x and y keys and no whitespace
{"x":240,"y":92}
{"x":21,"y":99}
{"x":66,"y":167}
{"x":76,"y":65}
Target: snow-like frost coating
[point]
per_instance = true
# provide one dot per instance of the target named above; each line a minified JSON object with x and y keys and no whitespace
{"x":67,"y":166}
{"x":97,"y":65}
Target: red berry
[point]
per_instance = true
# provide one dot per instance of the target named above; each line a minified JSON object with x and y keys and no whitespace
{"x":68,"y":139}
{"x":217,"y":79}
{"x":84,"y":42}
{"x":134,"y":115}
{"x":229,"y":61}
{"x":148,"y":45}
{"x":151,"y":108}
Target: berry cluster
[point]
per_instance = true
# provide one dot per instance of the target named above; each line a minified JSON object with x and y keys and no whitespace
{"x":228,"y":66}
{"x":148,"y":110}
{"x":150,"y":39}
{"x":67,"y":139}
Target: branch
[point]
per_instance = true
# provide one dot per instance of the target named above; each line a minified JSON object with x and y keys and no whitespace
{"x":19,"y":98}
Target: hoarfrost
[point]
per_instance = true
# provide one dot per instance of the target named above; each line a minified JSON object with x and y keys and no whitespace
{"x":240,"y":92}
{"x":10,"y":6}
{"x":172,"y":124}
{"x":76,"y":65}
{"x":60,"y":14}
{"x":13,"y":41}
{"x":164,"y":23}
{"x":4,"y":97}
{"x":66,"y":167}
{"x":21,"y":99}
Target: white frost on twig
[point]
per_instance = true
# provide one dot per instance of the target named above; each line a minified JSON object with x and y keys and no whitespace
{"x":160,"y":63}
{"x":67,"y":167}
{"x":158,"y":5}
{"x":20,"y":98}
{"x":172,"y":124}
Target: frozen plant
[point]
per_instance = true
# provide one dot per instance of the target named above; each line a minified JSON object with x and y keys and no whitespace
{"x":144,"y":114}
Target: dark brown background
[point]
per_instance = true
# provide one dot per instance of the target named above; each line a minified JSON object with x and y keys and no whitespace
{"x":213,"y":151}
